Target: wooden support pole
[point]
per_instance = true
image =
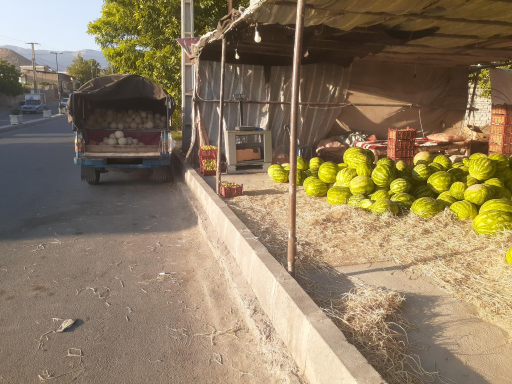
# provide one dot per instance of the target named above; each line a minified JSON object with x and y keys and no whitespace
{"x":221,"y":112}
{"x":297,"y":59}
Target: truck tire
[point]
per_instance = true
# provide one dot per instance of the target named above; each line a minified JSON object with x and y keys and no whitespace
{"x":163,"y":174}
{"x":90,"y":175}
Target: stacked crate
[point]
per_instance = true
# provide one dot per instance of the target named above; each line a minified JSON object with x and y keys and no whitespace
{"x":500,"y":138}
{"x":207,"y":154}
{"x":401,"y":144}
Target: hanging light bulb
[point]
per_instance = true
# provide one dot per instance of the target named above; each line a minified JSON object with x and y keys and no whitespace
{"x":257,"y":36}
{"x":236,"y":54}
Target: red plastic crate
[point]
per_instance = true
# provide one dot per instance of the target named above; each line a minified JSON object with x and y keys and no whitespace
{"x":499,"y":119}
{"x":206,"y":172}
{"x":232,"y":191}
{"x":208,"y":153}
{"x":505,"y":149}
{"x":401,"y":133}
{"x":499,"y":109}
{"x":501,"y":129}
{"x":497,"y":138}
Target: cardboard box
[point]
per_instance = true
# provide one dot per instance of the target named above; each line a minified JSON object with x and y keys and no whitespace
{"x":248,"y":154}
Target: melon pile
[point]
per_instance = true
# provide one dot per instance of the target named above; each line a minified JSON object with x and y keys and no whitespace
{"x":119,"y":120}
{"x":118,"y":138}
{"x":477,"y":189}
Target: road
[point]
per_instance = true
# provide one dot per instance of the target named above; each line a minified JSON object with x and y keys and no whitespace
{"x":96,"y":254}
{"x":5,"y":112}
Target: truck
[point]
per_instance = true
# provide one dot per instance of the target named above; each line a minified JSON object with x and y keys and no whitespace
{"x":34,"y":103}
{"x":122,"y":123}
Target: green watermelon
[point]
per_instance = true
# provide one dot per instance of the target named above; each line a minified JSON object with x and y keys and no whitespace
{"x":302,"y":164}
{"x":444,"y":161}
{"x":440,"y":181}
{"x":423,"y":191}
{"x":338,"y":195}
{"x":354,"y":156}
{"x":273,"y":169}
{"x":286,"y":166}
{"x":327,"y":172}
{"x":370,"y":154}
{"x":312,"y":172}
{"x":490,"y":222}
{"x":500,"y":161}
{"x":470,"y":180}
{"x":342,"y":166}
{"x":361,"y":185}
{"x":402,"y":168}
{"x":400,"y":185}
{"x":386,"y":161}
{"x":307,"y":180}
{"x":510,"y":161}
{"x":426,"y":207}
{"x":384,"y":205}
{"x":315,"y":163}
{"x":457,"y":190}
{"x":482,"y":168}
{"x":355,"y":200}
{"x":363,"y":170}
{"x":316,"y":187}
{"x":475,"y":156}
{"x":457,"y":165}
{"x":508,"y":256}
{"x":446,"y":199}
{"x":345,"y":175}
{"x":457,"y":173}
{"x":280,"y":175}
{"x":504,"y":205}
{"x":366,"y":204}
{"x":464,"y":210}
{"x":478,"y":194}
{"x":436,"y":167}
{"x":505,"y":194}
{"x":421,"y":172}
{"x":403,"y":199}
{"x":504,"y":174}
{"x":383,"y":175}
{"x":301,"y":176}
{"x":465,"y":162}
{"x":496,"y":185}
{"x":423,"y":158}
{"x":379,"y":194}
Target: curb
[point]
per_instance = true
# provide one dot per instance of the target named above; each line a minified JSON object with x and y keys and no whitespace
{"x":319,"y":348}
{"x":8,"y":128}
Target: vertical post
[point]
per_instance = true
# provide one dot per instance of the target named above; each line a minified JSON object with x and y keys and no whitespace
{"x":34,"y":66}
{"x":294,"y":111}
{"x":58,"y":75}
{"x":221,"y":111}
{"x":230,"y":5}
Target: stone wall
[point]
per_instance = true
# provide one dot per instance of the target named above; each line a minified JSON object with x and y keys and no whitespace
{"x":483,"y":115}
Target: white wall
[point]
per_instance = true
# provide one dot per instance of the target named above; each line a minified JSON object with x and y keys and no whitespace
{"x":483,"y":115}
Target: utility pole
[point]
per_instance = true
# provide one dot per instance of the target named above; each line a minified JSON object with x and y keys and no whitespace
{"x":34,"y":65}
{"x":58,"y":76}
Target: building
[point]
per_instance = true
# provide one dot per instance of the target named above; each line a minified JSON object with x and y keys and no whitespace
{"x":47,"y":79}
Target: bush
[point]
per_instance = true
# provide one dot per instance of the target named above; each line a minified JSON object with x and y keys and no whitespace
{"x":15,"y":111}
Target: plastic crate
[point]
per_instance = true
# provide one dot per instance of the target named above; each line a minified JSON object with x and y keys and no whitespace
{"x":499,"y":109}
{"x":232,"y":191}
{"x":398,"y":149}
{"x":499,"y":119}
{"x":497,"y":138}
{"x":208,"y":153}
{"x":505,"y":149}
{"x":206,"y":172}
{"x":501,"y":129}
{"x":401,"y":133}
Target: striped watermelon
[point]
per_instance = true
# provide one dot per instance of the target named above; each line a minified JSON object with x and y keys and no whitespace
{"x":436,"y":167}
{"x":379,"y":194}
{"x":464,"y":210}
{"x":361,"y":185}
{"x":490,"y":222}
{"x":402,"y":168}
{"x":504,"y":205}
{"x":478,"y":194}
{"x":457,"y":190}
{"x":465,"y":162}
{"x":273,"y":168}
{"x":345,"y":175}
{"x":280,"y":175}
{"x":446,"y":199}
{"x":301,"y":176}
{"x":312,"y":172}
{"x":354,"y":156}
{"x":307,"y":180}
{"x":457,"y":165}
{"x":470,"y":180}
{"x":338,"y":195}
{"x":383,"y":175}
{"x":327,"y":172}
{"x":423,"y":191}
{"x":457,"y":173}
{"x":500,"y":161}
{"x":400,"y":185}
{"x":366,"y":204}
{"x":384,"y":205}
{"x":482,"y":168}
{"x":387,"y":161}
{"x":496,"y":186}
{"x":302,"y":164}
{"x":510,"y":161}
{"x":508,"y":256}
{"x":440,"y":181}
{"x":286,"y":166}
{"x":370,"y":154}
{"x":403,"y":199}
{"x":316,"y":187}
{"x":421,"y":172}
{"x":363,"y":170}
{"x":315,"y":163}
{"x":475,"y":156}
{"x":342,"y":166}
{"x":423,"y":157}
{"x":355,"y":200}
{"x":426,"y":207}
{"x":505,"y":194}
{"x":444,"y":161}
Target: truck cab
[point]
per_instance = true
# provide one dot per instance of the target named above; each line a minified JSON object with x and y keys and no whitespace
{"x":34,"y":103}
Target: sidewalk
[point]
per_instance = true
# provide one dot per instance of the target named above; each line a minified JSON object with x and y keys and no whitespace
{"x":8,"y":128}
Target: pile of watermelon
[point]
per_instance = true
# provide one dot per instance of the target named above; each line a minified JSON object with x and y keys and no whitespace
{"x":477,"y":189}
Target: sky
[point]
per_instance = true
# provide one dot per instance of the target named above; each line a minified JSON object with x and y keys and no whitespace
{"x":55,"y":24}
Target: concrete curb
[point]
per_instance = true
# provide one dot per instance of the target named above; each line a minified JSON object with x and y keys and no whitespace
{"x":319,"y":348}
{"x":8,"y":128}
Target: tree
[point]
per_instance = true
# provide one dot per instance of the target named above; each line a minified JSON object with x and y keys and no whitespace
{"x":84,"y":70}
{"x":484,"y":80}
{"x":10,"y":79}
{"x":139,"y":36}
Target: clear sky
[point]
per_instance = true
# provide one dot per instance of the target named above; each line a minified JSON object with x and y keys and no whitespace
{"x":55,"y":24}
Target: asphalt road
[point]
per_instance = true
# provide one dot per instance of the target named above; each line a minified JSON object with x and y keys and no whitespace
{"x":5,"y":112}
{"x":95,"y":254}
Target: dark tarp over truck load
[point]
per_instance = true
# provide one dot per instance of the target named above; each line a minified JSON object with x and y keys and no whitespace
{"x":122,"y":107}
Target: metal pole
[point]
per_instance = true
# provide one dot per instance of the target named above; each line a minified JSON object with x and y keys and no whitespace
{"x":297,"y":58}
{"x":230,"y":5}
{"x":34,"y":66}
{"x":58,"y":76}
{"x":221,"y":110}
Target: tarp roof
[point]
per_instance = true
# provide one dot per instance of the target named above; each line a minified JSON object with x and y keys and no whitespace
{"x":439,"y":32}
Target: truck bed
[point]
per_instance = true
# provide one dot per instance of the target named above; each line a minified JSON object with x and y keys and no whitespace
{"x":101,"y":151}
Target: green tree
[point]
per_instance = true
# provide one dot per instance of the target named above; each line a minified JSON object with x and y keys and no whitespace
{"x":484,"y":80}
{"x":9,"y":79}
{"x":84,"y":70}
{"x":139,"y":36}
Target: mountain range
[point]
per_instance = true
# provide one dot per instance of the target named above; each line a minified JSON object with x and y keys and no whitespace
{"x":44,"y":57}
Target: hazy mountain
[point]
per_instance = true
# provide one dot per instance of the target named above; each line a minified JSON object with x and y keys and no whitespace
{"x":13,"y":57}
{"x":44,"y":57}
